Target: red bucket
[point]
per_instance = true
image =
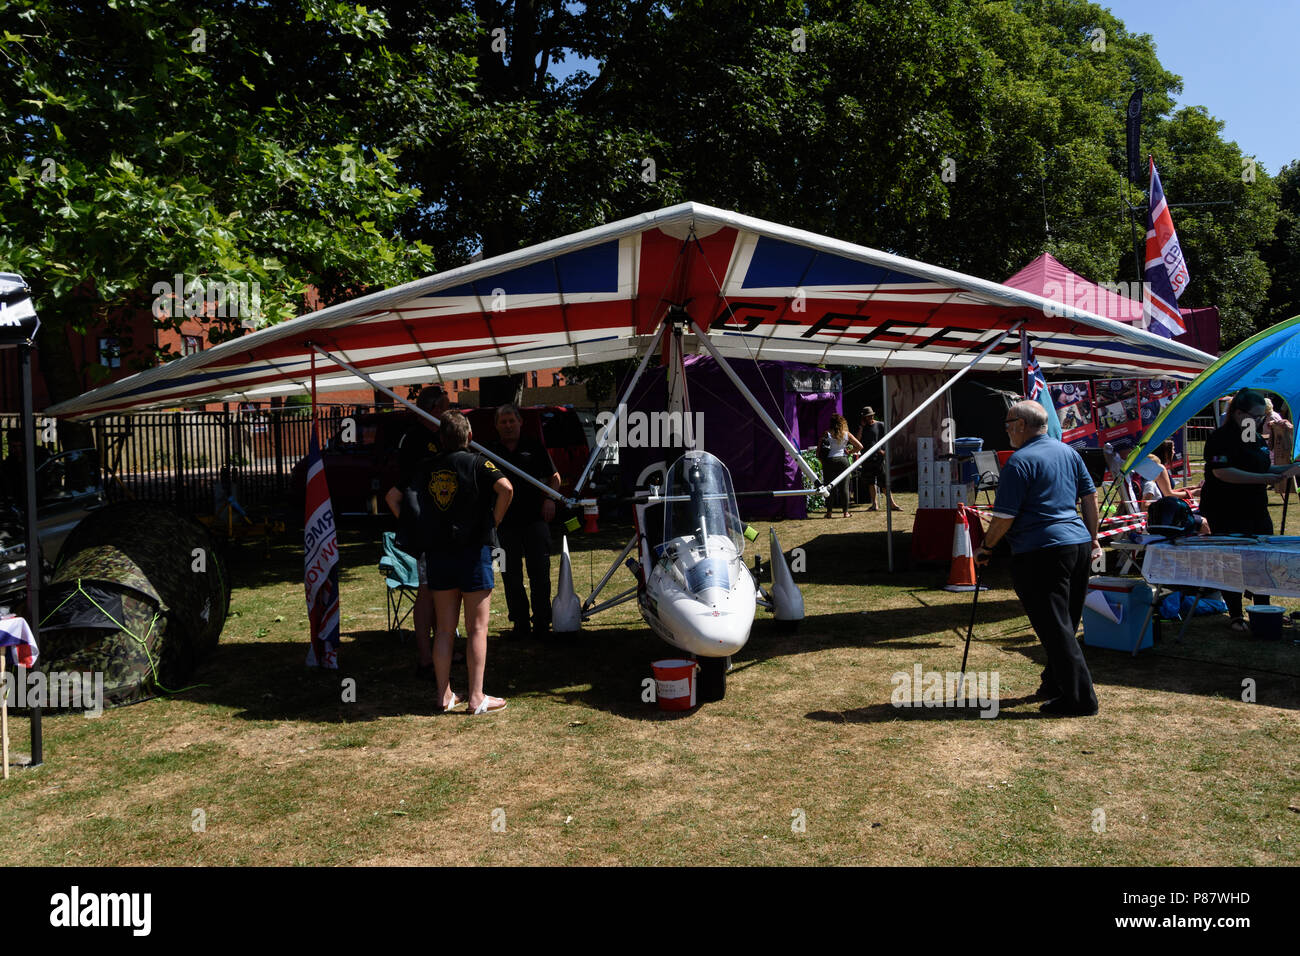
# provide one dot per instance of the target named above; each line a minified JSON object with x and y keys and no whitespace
{"x":675,"y":684}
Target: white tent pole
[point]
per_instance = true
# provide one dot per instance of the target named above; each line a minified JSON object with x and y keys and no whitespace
{"x":889,"y":499}
{"x":889,"y":432}
{"x":621,"y":406}
{"x":379,"y":387}
{"x":756,"y":405}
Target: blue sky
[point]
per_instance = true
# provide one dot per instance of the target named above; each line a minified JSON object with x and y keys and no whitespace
{"x":1238,"y":59}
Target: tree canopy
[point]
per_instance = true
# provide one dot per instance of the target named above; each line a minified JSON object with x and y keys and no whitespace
{"x":346,"y":147}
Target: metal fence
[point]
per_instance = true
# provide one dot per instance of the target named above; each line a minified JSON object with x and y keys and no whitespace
{"x":178,"y":457}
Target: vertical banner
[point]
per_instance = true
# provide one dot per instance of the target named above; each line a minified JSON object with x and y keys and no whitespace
{"x":1133,"y":135}
{"x":1166,"y":268}
{"x":320,"y":564}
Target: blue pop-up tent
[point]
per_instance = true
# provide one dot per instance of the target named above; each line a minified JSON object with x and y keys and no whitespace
{"x":1269,"y":362}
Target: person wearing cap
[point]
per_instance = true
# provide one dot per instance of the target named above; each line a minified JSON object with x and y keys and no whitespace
{"x":1039,"y":490}
{"x":419,"y":442}
{"x":872,"y":471}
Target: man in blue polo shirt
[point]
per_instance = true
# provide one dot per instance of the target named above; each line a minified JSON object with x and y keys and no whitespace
{"x":1051,"y":546}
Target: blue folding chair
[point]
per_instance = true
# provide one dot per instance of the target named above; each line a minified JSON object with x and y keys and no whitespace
{"x":402,"y":579}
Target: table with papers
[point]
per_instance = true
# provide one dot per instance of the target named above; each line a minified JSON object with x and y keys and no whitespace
{"x":1267,"y":564}
{"x":1264,"y":564}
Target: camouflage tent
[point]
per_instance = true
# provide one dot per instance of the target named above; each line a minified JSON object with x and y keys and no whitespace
{"x":141,"y":593}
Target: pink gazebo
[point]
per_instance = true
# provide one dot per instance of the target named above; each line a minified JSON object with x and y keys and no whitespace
{"x":1047,"y":277}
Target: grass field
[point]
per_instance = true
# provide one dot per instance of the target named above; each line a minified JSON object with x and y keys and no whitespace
{"x":805,"y":761}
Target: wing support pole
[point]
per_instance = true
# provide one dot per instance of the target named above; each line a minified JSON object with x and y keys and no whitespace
{"x":587,"y":605}
{"x":757,"y":406}
{"x":866,"y":452}
{"x":504,"y":465}
{"x":621,"y":409}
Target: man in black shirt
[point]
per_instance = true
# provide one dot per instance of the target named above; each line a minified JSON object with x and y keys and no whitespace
{"x":872,"y":470}
{"x":460,"y":497}
{"x":1234,"y":499}
{"x":419,"y":442}
{"x":524,"y":532}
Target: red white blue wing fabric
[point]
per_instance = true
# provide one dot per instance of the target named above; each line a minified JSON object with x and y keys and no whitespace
{"x":16,"y":636}
{"x":1166,"y":269}
{"x":320,"y":564}
{"x":759,"y":289}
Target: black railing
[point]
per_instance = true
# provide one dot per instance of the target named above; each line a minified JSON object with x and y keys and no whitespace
{"x":178,"y":457}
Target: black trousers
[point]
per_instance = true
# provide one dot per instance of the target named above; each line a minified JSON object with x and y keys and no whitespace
{"x":839,"y":497}
{"x":1052,"y":583}
{"x":527,"y":543}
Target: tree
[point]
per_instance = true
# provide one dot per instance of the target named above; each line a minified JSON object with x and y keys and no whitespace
{"x":1283,"y":253}
{"x":247,"y":145}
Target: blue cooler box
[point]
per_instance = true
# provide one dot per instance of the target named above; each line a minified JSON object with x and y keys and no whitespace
{"x":1130,"y":599}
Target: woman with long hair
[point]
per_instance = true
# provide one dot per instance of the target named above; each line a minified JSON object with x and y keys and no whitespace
{"x":1153,"y":489}
{"x":834,"y":453}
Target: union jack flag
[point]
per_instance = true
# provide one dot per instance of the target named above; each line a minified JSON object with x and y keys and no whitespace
{"x":1034,"y":381}
{"x":321,"y":564}
{"x":1166,"y":269}
{"x":1036,"y":388}
{"x":16,"y":635}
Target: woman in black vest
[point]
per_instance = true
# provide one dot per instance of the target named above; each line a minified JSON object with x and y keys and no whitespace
{"x":461,"y":497}
{"x":1234,"y":499}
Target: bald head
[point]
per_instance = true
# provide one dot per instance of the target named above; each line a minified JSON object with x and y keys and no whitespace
{"x":1032,"y":414}
{"x":1025,"y":420}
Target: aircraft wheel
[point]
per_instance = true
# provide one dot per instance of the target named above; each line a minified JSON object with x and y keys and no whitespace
{"x":712,"y":679}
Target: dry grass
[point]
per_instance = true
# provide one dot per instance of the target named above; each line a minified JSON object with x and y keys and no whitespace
{"x":582,"y":771}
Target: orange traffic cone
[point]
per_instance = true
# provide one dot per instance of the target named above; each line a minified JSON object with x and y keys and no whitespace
{"x":962,"y":575}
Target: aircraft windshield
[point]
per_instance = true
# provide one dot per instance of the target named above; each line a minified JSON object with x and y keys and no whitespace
{"x":701,"y":502}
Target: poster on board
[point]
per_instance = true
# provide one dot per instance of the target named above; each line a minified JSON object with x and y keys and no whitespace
{"x":1073,"y":401}
{"x":1118,"y":409}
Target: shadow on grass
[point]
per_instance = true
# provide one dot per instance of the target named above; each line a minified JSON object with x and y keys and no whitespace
{"x":879,"y":713}
{"x":603,"y":667}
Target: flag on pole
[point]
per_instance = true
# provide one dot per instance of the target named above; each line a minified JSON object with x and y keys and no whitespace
{"x":1036,"y":389}
{"x":1166,"y":270}
{"x":16,"y":635}
{"x":321,"y":564}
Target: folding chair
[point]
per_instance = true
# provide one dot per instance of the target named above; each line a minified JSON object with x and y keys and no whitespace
{"x":986,"y":464}
{"x":1128,"y":499}
{"x":402,"y":579}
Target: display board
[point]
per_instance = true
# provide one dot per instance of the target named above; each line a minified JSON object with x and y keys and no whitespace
{"x":1111,"y":410}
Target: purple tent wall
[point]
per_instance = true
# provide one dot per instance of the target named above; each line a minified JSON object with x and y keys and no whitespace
{"x":734,"y":433}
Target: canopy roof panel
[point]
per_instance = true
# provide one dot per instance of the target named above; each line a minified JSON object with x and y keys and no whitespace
{"x":1267,"y":362}
{"x":759,"y":289}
